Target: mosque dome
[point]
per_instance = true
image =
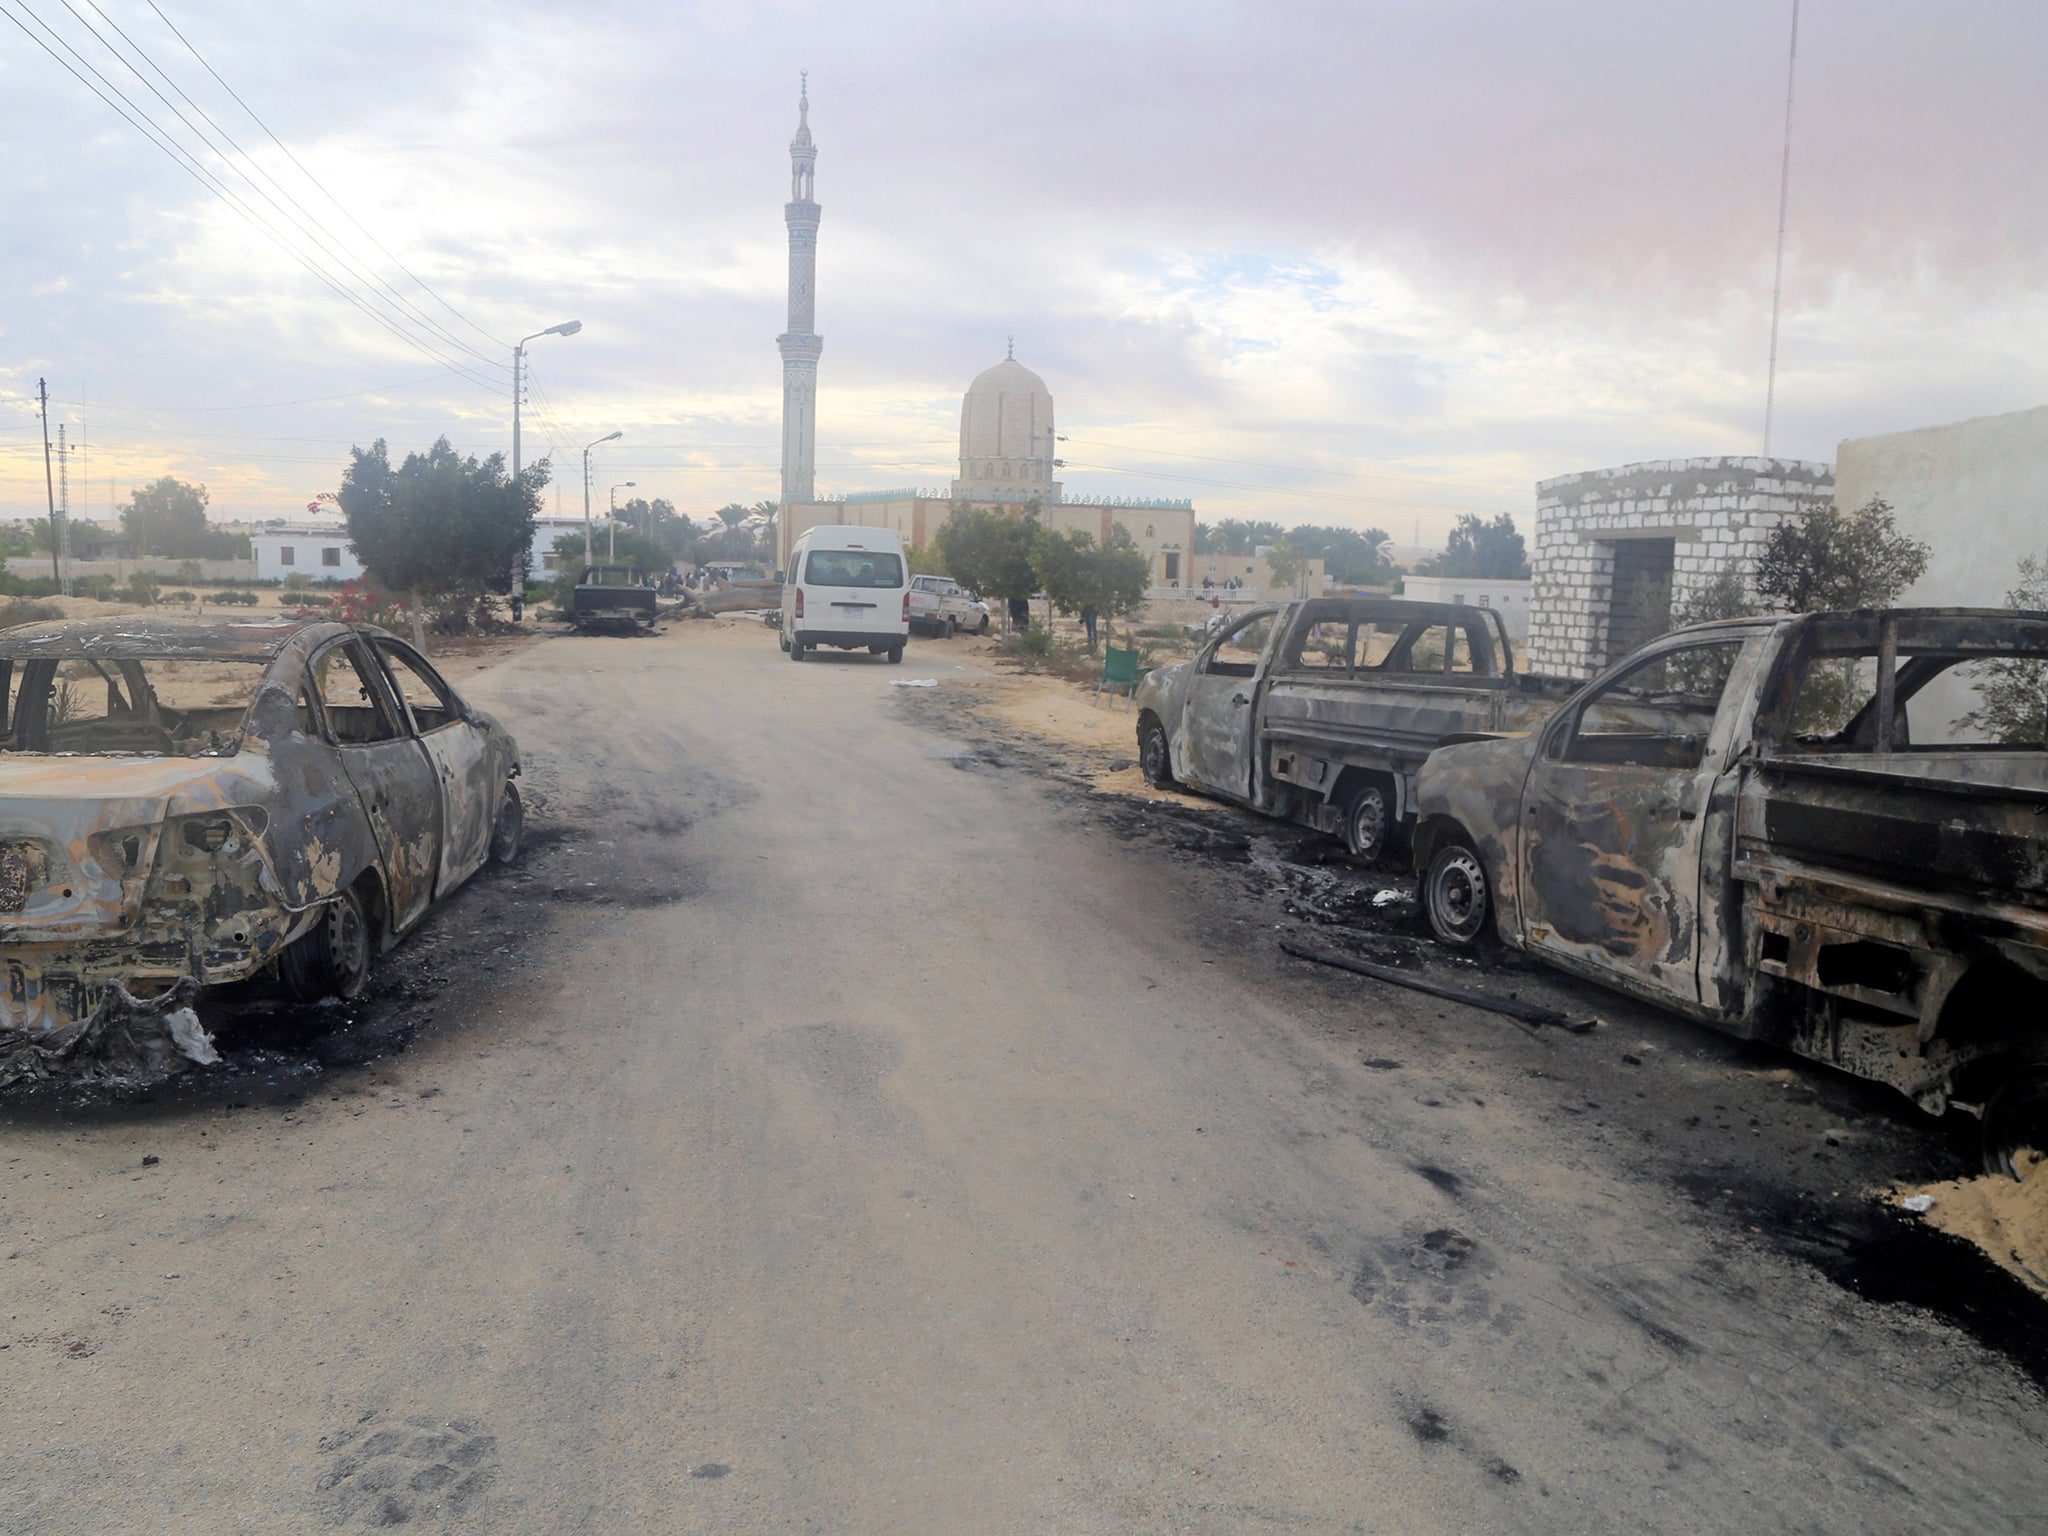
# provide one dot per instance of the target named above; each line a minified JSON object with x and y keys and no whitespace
{"x":1006,"y":434}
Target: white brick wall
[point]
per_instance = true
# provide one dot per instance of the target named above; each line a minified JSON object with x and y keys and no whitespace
{"x":1718,"y":510}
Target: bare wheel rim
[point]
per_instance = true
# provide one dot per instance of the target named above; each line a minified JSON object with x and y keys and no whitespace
{"x":1458,"y":897}
{"x":348,"y":946}
{"x":1365,"y":823}
{"x":510,"y":827}
{"x":1152,"y":756}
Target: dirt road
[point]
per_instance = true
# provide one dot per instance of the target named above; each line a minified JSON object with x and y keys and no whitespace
{"x":842,"y":1122}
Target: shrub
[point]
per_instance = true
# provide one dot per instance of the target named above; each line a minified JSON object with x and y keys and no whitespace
{"x":26,"y":610}
{"x":139,"y":592}
{"x":1035,"y":642}
{"x":101,"y":587}
{"x":305,"y":599}
{"x":236,"y":599}
{"x":180,"y":596}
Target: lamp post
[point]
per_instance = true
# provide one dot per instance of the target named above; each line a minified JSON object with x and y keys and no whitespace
{"x":590,"y":533}
{"x":611,"y":532}
{"x":566,"y":328}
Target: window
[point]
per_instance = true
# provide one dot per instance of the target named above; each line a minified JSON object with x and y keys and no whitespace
{"x":1173,"y":568}
{"x":1237,"y":652}
{"x":330,"y":555}
{"x":1438,"y":648}
{"x":1484,"y":602}
{"x":853,"y":568}
{"x":1981,"y":686}
{"x":179,"y":707}
{"x":354,"y":705}
{"x":1657,"y":714}
{"x":430,"y":699}
{"x":287,"y":555}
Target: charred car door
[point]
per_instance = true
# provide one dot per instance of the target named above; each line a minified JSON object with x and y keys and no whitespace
{"x":460,"y":750}
{"x":392,"y":774}
{"x":1614,"y":816}
{"x":1217,"y":737}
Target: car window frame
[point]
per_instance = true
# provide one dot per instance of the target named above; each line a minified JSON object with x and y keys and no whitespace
{"x":379,"y":685}
{"x":451,"y":701}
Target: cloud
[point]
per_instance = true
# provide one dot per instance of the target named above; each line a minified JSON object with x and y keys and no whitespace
{"x":1360,"y":262}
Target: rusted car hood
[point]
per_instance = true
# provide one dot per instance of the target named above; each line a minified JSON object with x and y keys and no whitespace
{"x":60,"y":880}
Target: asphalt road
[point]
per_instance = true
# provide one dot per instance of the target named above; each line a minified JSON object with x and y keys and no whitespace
{"x":836,"y":1125}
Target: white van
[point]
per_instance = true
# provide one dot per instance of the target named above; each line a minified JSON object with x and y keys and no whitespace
{"x":846,"y":587}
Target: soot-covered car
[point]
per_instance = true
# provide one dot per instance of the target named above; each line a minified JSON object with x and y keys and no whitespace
{"x":183,"y":805}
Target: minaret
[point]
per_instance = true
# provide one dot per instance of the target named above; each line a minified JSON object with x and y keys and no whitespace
{"x":800,"y":344}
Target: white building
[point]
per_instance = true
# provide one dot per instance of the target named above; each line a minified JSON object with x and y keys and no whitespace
{"x":1510,"y":598}
{"x":319,"y":550}
{"x":1619,"y":552}
{"x":1975,"y":492}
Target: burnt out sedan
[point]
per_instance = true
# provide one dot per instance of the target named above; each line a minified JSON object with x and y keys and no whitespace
{"x":183,"y":805}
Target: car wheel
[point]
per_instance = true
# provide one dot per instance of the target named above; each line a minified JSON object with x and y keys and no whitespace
{"x":895,"y":655}
{"x":332,"y":958}
{"x":1367,"y":821}
{"x":2016,"y":1124}
{"x":782,"y":640}
{"x":946,"y":633}
{"x":1457,"y":897}
{"x":1155,"y":757}
{"x":796,"y":649}
{"x":510,"y":829}
{"x":982,"y":628}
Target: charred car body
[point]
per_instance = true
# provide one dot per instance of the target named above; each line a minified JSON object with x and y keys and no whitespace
{"x":186,"y":805}
{"x":1320,"y":711}
{"x":612,"y":597}
{"x":1795,"y":829}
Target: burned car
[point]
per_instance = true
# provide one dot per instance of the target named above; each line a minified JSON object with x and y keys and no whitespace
{"x":183,"y":805}
{"x":1802,"y":830}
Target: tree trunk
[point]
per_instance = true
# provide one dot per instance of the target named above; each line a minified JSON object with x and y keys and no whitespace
{"x":419,"y":631}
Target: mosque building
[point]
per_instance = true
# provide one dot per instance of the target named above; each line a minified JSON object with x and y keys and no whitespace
{"x":1008,"y":445}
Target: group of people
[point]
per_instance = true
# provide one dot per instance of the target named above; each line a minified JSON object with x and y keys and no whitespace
{"x":1228,"y":583}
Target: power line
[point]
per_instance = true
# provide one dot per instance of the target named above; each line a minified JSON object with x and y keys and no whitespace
{"x":265,"y":405}
{"x":132,"y":114}
{"x":280,"y":143}
{"x":1784,"y":197}
{"x":358,"y":269}
{"x":1202,"y":458}
{"x":1288,"y":491}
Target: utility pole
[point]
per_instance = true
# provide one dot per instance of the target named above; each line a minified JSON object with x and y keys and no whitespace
{"x":1784,"y":194}
{"x":61,"y":543}
{"x":49,"y":483}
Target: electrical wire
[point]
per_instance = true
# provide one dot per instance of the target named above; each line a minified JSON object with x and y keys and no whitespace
{"x":132,"y":114}
{"x":265,"y":405}
{"x":360,"y":270}
{"x":339,"y":207}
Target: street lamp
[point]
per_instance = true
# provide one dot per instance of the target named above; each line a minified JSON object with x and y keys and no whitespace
{"x":589,"y":533}
{"x":566,"y":328}
{"x":612,"y":528}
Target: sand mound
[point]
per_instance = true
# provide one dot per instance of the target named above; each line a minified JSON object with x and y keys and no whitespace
{"x":2007,"y":1219}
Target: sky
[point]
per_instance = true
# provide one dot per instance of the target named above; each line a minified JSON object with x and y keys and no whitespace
{"x":1375,"y":263}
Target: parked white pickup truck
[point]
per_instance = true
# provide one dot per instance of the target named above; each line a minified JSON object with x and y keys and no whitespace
{"x":939,"y":606}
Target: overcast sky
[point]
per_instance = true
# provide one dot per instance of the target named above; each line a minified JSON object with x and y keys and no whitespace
{"x":1366,"y":263}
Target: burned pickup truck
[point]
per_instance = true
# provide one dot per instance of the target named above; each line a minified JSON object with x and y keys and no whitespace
{"x":1806,"y":831}
{"x":1321,"y":711}
{"x":183,"y":805}
{"x":612,"y":597}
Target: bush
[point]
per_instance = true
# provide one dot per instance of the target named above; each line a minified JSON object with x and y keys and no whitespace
{"x":304,"y":599}
{"x":101,"y":587}
{"x":12,"y":585}
{"x":180,"y":596}
{"x":24,"y":610}
{"x":139,"y":592}
{"x":236,"y":599}
{"x":1035,"y":642}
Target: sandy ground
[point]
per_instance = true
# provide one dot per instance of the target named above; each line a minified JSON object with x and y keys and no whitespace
{"x":844,"y":1119}
{"x":2008,"y":1219}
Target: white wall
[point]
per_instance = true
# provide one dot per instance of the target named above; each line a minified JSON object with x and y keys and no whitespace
{"x":1976,"y":493}
{"x":1510,"y":597}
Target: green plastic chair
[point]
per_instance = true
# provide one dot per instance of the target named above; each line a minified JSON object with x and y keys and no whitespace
{"x":1120,"y":669}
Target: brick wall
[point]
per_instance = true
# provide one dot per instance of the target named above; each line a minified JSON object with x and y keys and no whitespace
{"x":1717,"y":512}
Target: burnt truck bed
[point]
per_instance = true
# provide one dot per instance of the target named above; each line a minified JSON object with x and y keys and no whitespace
{"x":1345,"y":700}
{"x":608,"y":597}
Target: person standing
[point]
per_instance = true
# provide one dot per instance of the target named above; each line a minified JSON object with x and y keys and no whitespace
{"x":1088,"y":623}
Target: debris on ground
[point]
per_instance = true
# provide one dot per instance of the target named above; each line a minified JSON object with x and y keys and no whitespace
{"x":915,"y":682}
{"x":1525,"y":1014}
{"x":125,"y":1041}
{"x":2007,"y":1218}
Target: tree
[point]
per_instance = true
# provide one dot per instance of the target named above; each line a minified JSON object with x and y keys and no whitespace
{"x":2012,"y":693}
{"x":439,"y":525}
{"x":1481,"y":551}
{"x":732,"y":514}
{"x":990,"y":552}
{"x":1347,"y":555}
{"x":1286,"y":563}
{"x":1836,"y":559}
{"x":167,"y":518}
{"x":1077,"y":573}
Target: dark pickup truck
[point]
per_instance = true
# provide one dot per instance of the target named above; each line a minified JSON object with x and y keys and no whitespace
{"x":612,"y":597}
{"x":1799,"y":830}
{"x":1320,"y":711}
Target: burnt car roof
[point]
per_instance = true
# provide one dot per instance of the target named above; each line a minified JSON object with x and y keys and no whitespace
{"x":135,"y":636}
